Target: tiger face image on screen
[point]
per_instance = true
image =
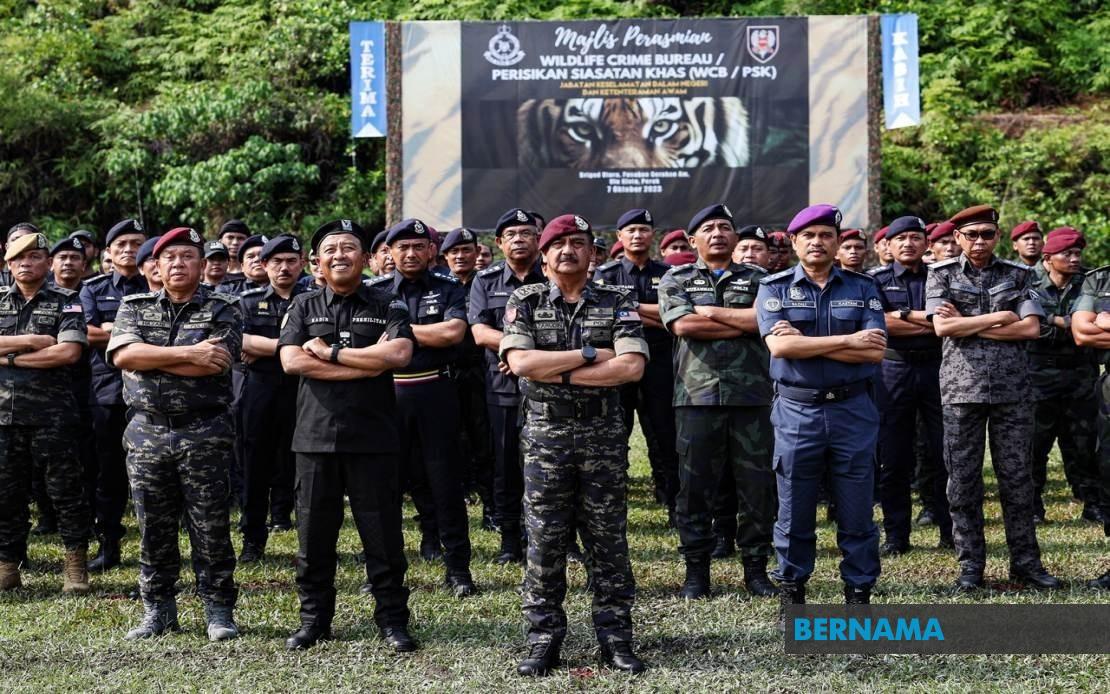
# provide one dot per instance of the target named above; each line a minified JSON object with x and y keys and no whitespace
{"x":633,"y":133}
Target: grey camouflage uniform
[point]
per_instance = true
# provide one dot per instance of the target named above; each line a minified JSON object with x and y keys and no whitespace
{"x":985,"y":387}
{"x":179,"y":443}
{"x":38,"y":422}
{"x":1095,"y":297}
{"x":575,"y":459}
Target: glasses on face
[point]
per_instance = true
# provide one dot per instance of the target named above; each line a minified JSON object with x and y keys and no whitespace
{"x":987,"y":235}
{"x":518,"y":234}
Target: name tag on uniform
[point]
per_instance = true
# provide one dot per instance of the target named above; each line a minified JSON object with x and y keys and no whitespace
{"x":153,"y":324}
{"x":152,"y":314}
{"x":44,"y":320}
{"x":499,"y":293}
{"x":546,"y":325}
{"x":842,"y":303}
{"x":47,"y":307}
{"x":318,"y":319}
{"x":1008,"y":284}
{"x":367,"y":319}
{"x":799,"y":304}
{"x":969,"y":288}
{"x":201,"y":317}
{"x":545,"y":314}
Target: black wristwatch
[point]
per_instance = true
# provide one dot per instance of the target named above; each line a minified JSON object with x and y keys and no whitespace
{"x":566,"y":378}
{"x":11,"y":360}
{"x":589,"y":353}
{"x":335,"y":353}
{"x":904,"y":314}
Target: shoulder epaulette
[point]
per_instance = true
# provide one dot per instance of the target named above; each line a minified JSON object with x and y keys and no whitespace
{"x":870,"y":271}
{"x":496,"y":267}
{"x":750,"y":266}
{"x":777,"y":276}
{"x":252,"y":292}
{"x":144,"y":295}
{"x":447,"y":278}
{"x":63,"y":291}
{"x":1104,"y":268}
{"x":684,"y":266}
{"x":381,"y":279}
{"x":226,"y":298}
{"x":610,"y":264}
{"x":530,"y":290}
{"x":870,"y":276}
{"x":944,"y":263}
{"x":1022,"y":266}
{"x":94,"y":280}
{"x":611,"y":288}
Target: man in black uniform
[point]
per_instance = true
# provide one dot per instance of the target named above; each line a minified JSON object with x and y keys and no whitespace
{"x":344,"y":341}
{"x":518,"y":238}
{"x":460,"y":248}
{"x":651,"y":396}
{"x":437,"y":310}
{"x":269,"y":399}
{"x":908,"y":389}
{"x":254,"y":272}
{"x":215,"y":267}
{"x":232,"y":234}
{"x":100,"y":299}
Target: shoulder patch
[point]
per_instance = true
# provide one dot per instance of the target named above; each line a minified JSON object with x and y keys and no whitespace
{"x":136,"y":297}
{"x":777,"y":276}
{"x":945,"y":263}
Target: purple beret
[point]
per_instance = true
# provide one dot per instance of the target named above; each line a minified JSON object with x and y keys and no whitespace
{"x":826,"y":215}
{"x":564,"y":225}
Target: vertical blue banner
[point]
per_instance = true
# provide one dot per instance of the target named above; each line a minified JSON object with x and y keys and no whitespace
{"x":368,"y":79}
{"x":901,"y":86}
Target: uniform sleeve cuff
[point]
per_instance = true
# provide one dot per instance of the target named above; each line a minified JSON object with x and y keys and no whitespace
{"x":631,"y":345}
{"x":672,"y":314}
{"x":932,"y":304}
{"x":76,"y":336}
{"x":1029,"y":308}
{"x":118,"y":341}
{"x":514,"y":342}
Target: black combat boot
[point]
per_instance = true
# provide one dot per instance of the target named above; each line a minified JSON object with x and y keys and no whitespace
{"x":1037,"y":577}
{"x":755,"y":577}
{"x":1100,"y":583}
{"x":542,"y":657}
{"x":511,"y":552}
{"x":308,"y":635}
{"x":620,"y":656}
{"x":398,"y":639}
{"x":790,"y":593}
{"x":460,"y":584}
{"x":724,"y":548}
{"x":697,"y":584}
{"x":430,"y":549}
{"x":857,"y":596}
{"x":108,"y":556}
{"x":252,"y":553}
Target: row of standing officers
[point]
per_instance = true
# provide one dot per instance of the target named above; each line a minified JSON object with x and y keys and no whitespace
{"x":753,"y":392}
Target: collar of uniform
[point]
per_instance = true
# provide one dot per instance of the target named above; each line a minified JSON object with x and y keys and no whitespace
{"x":700,"y":264}
{"x":554,"y":293}
{"x":899,"y":269}
{"x":421,"y":279}
{"x":18,"y":295}
{"x":631,"y":267}
{"x":197,"y":298}
{"x":965,"y":263}
{"x":118,"y":278}
{"x":835,"y":275}
{"x":537,"y":269}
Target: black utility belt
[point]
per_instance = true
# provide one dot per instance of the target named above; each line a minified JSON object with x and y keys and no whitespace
{"x":578,"y":409}
{"x":178,"y":421}
{"x":822,"y":396}
{"x":1062,"y":361}
{"x":912,"y":355}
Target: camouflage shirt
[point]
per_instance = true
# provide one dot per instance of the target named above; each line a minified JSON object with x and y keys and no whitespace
{"x":1057,"y":367}
{"x":38,"y":397}
{"x":536,"y":317}
{"x":731,"y":372}
{"x":1094,"y":296}
{"x":977,"y":369}
{"x":153,"y":319}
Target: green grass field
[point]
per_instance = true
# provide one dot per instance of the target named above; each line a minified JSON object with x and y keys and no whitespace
{"x":48,"y":642}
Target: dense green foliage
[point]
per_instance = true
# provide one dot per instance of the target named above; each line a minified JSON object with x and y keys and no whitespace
{"x":197,"y":110}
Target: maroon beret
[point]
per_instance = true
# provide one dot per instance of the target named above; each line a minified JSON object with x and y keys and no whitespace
{"x":929,"y":228}
{"x":940,"y":230}
{"x":1060,"y":240}
{"x":778,"y":239}
{"x":564,"y":225}
{"x":881,"y":234}
{"x":979,"y":214}
{"x":672,"y":236}
{"x":683,"y":258}
{"x":1023,"y":229}
{"x":852,"y":234}
{"x":180,"y":236}
{"x":616,"y":250}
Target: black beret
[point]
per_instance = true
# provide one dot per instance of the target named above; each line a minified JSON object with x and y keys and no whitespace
{"x":718,"y":211}
{"x":904,"y":224}
{"x":69,"y":243}
{"x":599,"y":243}
{"x":127,"y":226}
{"x":338,"y":226}
{"x":147,"y":249}
{"x":753,"y":231}
{"x":541,"y":221}
{"x":85,"y":234}
{"x":407,"y":229}
{"x":458,"y":237}
{"x":281,"y":244}
{"x":636,"y":216}
{"x":22,"y":226}
{"x":515,"y":217}
{"x":379,"y":239}
{"x":215,"y":248}
{"x":251,"y":242}
{"x":234,"y":226}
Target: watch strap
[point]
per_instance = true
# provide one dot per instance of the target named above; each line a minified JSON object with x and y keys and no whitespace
{"x":335,"y":354}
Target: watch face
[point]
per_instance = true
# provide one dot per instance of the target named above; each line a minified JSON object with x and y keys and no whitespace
{"x":589,"y":352}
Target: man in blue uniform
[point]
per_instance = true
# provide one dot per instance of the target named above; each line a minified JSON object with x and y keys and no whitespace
{"x":429,"y":444}
{"x":100,"y":299}
{"x":908,"y":388}
{"x":650,"y":397}
{"x":518,"y":237}
{"x":825,"y":330}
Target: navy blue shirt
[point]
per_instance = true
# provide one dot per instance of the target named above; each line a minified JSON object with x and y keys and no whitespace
{"x":848,"y":303}
{"x":100,"y":299}
{"x":430,"y":299}
{"x":489,"y":293}
{"x":263,"y":310}
{"x":641,"y":282}
{"x":902,"y":288}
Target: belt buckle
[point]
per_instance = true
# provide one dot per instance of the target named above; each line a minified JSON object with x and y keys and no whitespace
{"x":829,"y":395}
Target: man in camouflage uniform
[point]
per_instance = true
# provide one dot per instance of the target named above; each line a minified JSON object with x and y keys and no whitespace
{"x":722,"y":400}
{"x":175,"y":348}
{"x":985,"y":310}
{"x":572,"y":343}
{"x":1064,"y":377}
{"x":1090,"y":324}
{"x":42,"y":333}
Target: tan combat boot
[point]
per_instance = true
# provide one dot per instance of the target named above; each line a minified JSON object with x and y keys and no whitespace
{"x":75,"y":570}
{"x":9,"y":575}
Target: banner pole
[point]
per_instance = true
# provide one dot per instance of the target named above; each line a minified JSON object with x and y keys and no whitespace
{"x":394,"y":169}
{"x":874,"y":122}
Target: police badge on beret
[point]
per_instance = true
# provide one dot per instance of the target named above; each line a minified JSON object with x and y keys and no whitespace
{"x":194,"y":236}
{"x":345,"y":224}
{"x":727,"y":211}
{"x":521,"y":216}
{"x":418,"y":227}
{"x":296,"y":246}
{"x":77,"y":244}
{"x":581,"y":223}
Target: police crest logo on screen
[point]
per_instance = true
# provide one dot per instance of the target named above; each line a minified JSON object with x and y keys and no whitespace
{"x":763,"y":42}
{"x":504,"y":48}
